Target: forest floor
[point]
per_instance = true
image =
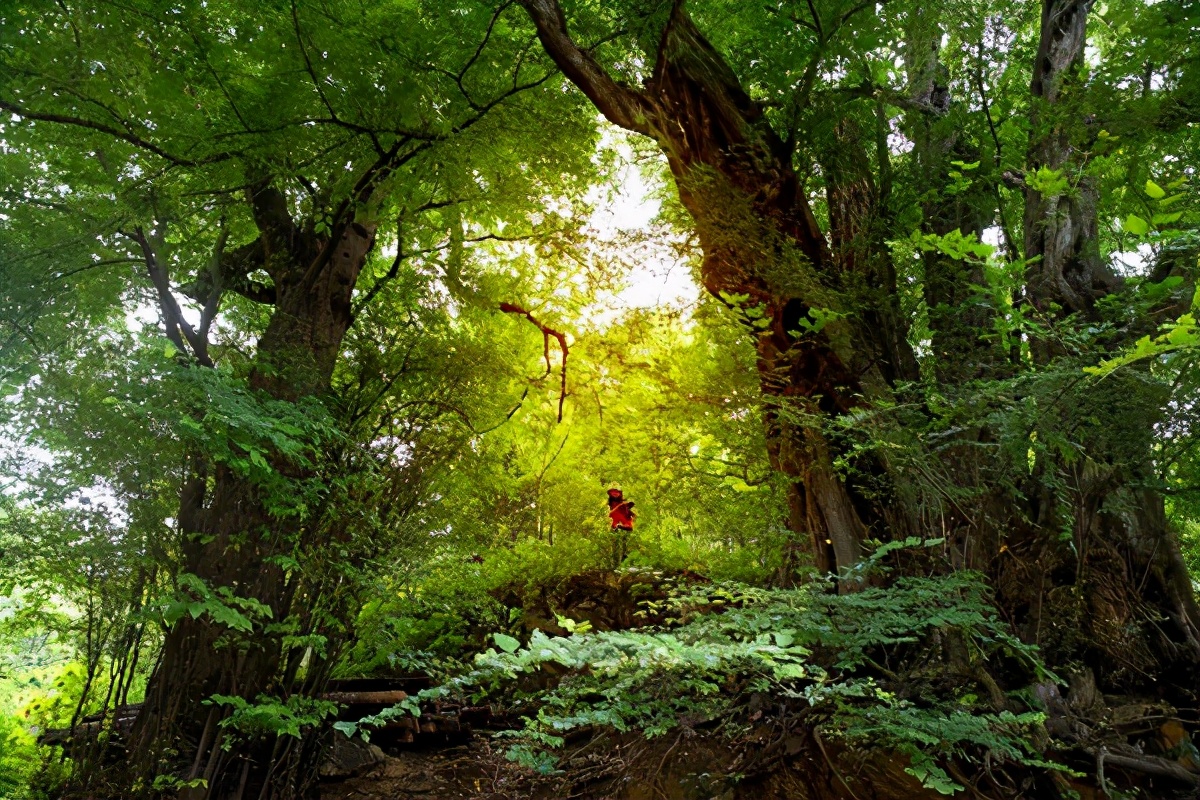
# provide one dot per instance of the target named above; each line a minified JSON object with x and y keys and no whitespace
{"x":693,"y":762}
{"x":764,"y":750}
{"x":690,"y":765}
{"x":686,"y":766}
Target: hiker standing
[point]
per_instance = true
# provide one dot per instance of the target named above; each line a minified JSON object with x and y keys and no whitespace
{"x":621,"y":512}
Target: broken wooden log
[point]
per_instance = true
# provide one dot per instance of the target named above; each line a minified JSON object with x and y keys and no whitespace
{"x":383,"y":698}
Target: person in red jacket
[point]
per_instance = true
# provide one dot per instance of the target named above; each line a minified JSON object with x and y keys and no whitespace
{"x":621,"y":512}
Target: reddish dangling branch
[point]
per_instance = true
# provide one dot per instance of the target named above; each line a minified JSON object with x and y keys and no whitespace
{"x":547,"y":332}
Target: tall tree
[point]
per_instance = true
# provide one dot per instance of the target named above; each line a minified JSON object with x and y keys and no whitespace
{"x":764,"y":249}
{"x":1066,"y":274}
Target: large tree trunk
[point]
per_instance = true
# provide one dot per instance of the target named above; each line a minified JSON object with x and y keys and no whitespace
{"x":958,"y":320}
{"x":1091,"y":570}
{"x":233,"y":534}
{"x":819,"y":354}
{"x":1061,"y":232}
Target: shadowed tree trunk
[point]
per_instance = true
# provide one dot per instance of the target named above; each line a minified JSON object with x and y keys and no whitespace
{"x":958,"y":322}
{"x":238,"y":532}
{"x":1096,"y":571}
{"x":1062,"y":245}
{"x":234,"y":531}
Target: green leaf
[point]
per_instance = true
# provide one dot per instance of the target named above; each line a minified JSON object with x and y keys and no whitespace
{"x":506,"y":643}
{"x":229,"y":617}
{"x":1155,"y":191}
{"x":1172,"y":200}
{"x":174,"y":612}
{"x":1136,"y":225}
{"x":1048,"y":182}
{"x":1183,"y":336}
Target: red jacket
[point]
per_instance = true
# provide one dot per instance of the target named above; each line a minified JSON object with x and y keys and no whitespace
{"x":620,"y":511}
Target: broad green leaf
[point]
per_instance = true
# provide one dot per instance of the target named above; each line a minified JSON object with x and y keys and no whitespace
{"x":229,"y":617}
{"x":1183,"y":336}
{"x":1136,"y":225}
{"x":1170,"y":201}
{"x":506,"y":643}
{"x":174,"y":612}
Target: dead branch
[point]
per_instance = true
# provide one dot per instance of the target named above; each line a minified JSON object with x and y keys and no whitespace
{"x":547,"y":332}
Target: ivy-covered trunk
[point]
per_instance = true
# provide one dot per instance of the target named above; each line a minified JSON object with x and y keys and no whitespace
{"x":239,"y":533}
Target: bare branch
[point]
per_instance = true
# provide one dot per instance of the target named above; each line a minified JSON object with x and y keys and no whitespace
{"x":177,"y":328}
{"x":402,"y":256}
{"x":124,"y":136}
{"x":800,"y":97}
{"x":816,"y":20}
{"x":547,"y":332}
{"x":312,"y":74}
{"x":213,"y":302}
{"x":390,"y":161}
{"x":462,"y":73}
{"x":107,"y":262}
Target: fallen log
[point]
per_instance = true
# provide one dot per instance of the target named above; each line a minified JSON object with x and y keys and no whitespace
{"x":378,"y":698}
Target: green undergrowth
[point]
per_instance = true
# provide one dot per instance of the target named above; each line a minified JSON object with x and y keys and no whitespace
{"x":881,"y":667}
{"x":429,"y":618}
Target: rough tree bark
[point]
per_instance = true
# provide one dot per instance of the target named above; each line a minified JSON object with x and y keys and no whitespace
{"x":1061,"y":232}
{"x":934,"y":123}
{"x":763,"y":249}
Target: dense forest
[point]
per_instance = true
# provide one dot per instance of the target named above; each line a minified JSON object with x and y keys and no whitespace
{"x":328,"y":327}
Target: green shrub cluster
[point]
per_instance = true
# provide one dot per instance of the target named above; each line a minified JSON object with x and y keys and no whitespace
{"x":859,"y":666}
